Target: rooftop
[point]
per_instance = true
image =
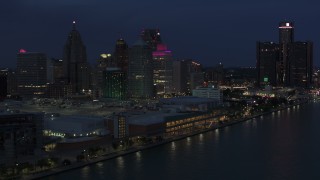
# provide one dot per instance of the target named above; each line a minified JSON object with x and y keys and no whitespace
{"x":77,"y":118}
{"x":149,"y":118}
{"x":186,"y":100}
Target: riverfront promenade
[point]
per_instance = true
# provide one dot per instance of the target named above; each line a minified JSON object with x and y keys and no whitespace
{"x":139,"y":148}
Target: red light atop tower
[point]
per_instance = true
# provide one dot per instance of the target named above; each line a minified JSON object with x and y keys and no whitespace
{"x":22,"y":51}
{"x":161,"y":47}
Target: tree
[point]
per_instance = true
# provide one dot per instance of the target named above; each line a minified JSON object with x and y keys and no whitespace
{"x":43,"y":163}
{"x":80,"y":157}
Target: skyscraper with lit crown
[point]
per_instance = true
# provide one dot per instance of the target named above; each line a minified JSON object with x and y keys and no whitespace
{"x":151,"y":37}
{"x":288,"y":63}
{"x":162,"y":70}
{"x":75,"y":67}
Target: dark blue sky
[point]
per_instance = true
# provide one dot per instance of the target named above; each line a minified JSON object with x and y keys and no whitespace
{"x":208,"y":31}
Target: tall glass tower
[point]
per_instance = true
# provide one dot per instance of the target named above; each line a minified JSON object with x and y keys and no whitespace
{"x":140,"y":71}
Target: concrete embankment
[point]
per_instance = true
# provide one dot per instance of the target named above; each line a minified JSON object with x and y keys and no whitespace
{"x":140,"y":148}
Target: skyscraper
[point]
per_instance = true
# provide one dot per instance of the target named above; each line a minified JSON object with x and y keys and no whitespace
{"x":120,"y":54}
{"x":300,"y":64}
{"x":151,"y":37}
{"x":288,"y":63}
{"x":286,"y":36}
{"x":140,"y":71}
{"x":114,"y":84}
{"x":31,"y":73}
{"x":267,"y":56}
{"x":12,"y":84}
{"x":187,"y":75}
{"x":57,"y":69}
{"x":98,"y":75}
{"x":75,"y":67}
{"x":180,"y":77}
{"x":162,"y":70}
{"x":3,"y":83}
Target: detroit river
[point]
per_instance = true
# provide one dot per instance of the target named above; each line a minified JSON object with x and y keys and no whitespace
{"x":281,"y":145}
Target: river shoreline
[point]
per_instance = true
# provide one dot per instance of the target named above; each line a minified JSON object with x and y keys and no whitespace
{"x":133,"y":150}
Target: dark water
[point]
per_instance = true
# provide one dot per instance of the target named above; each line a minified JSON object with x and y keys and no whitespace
{"x":282,"y":145}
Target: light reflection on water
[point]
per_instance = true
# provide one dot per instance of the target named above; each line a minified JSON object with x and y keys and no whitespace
{"x":216,"y":136}
{"x":189,"y":141}
{"x":173,"y":145}
{"x":200,"y":138}
{"x":99,"y":164}
{"x":138,"y":156}
{"x":85,"y":172}
{"x":120,"y":162}
{"x":100,"y":168}
{"x":254,"y":123}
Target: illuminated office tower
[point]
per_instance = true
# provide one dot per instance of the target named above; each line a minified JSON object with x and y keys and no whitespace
{"x":31,"y":73}
{"x":114,"y":85}
{"x":140,"y":71}
{"x":162,"y":70}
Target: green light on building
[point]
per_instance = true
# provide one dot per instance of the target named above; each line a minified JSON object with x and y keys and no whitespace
{"x":114,"y":84}
{"x":265,"y":79}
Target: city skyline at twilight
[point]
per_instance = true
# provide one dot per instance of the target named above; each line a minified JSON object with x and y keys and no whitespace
{"x":214,"y":32}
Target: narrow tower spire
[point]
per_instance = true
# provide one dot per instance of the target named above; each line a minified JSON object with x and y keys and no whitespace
{"x":74,"y":25}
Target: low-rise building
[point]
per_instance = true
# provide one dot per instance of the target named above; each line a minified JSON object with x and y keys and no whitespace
{"x":168,"y":124}
{"x":208,"y":92}
{"x":177,"y":116}
{"x":74,"y":126}
{"x":189,"y":103}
